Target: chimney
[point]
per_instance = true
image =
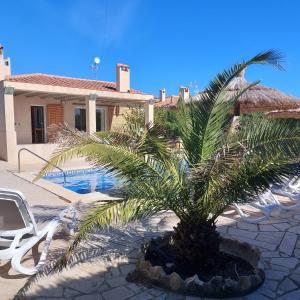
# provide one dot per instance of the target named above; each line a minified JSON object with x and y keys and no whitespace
{"x":4,"y":65}
{"x":184,"y":93}
{"x":162,"y":95}
{"x":123,"y":78}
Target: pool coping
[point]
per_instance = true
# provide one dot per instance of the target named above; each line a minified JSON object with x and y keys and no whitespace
{"x":65,"y":194}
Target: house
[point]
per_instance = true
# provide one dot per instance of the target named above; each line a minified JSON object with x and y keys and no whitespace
{"x":30,"y":103}
{"x":170,"y":102}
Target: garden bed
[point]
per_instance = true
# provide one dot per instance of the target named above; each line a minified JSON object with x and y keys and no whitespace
{"x":237,"y":270}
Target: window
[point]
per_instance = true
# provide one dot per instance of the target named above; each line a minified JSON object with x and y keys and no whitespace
{"x":100,"y":119}
{"x":80,"y":118}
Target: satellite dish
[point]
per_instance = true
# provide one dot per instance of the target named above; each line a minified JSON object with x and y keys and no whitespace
{"x":97,"y":60}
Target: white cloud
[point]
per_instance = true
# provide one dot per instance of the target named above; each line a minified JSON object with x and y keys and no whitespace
{"x":105,"y":22}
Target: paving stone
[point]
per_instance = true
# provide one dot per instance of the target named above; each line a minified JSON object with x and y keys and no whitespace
{"x":275,"y":275}
{"x":288,"y":243}
{"x":295,"y":229}
{"x":297,"y":270}
{"x":104,"y":287}
{"x":161,"y":297}
{"x":280,"y":268}
{"x":270,"y":284}
{"x":274,"y":238}
{"x":241,"y":232}
{"x":89,"y":297}
{"x":193,"y":298}
{"x":222,"y":229}
{"x":256,"y":296}
{"x":118,"y":293}
{"x":85,"y":285}
{"x":295,"y":278}
{"x":297,"y":253}
{"x":267,"y":227}
{"x":280,"y":292}
{"x":47,"y":298}
{"x":134,"y":287}
{"x":290,"y":296}
{"x":108,"y":275}
{"x":115,"y":271}
{"x":116,"y":281}
{"x":288,"y":262}
{"x":282,"y":226}
{"x":155,"y":292}
{"x":142,"y":296}
{"x":259,"y":244}
{"x":50,"y":292}
{"x":287,"y":285}
{"x":70,"y":293}
{"x":247,"y":226}
{"x":173,"y":296}
{"x":267,"y":292}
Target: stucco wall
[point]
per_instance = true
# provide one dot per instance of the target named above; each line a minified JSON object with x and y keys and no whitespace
{"x":22,"y":106}
{"x":44,"y":150}
{"x":119,"y":121}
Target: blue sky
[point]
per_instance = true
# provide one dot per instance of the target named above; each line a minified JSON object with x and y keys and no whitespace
{"x":167,"y":43}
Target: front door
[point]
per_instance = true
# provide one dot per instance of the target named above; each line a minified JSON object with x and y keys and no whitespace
{"x":37,"y":124}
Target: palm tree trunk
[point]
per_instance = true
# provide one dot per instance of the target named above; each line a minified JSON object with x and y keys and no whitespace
{"x":196,"y":244}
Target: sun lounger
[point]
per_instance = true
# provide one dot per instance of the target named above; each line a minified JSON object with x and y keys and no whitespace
{"x":19,"y":232}
{"x":293,"y":195}
{"x":266,"y":205}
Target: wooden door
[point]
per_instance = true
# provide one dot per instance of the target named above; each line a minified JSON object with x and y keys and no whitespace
{"x":37,"y":124}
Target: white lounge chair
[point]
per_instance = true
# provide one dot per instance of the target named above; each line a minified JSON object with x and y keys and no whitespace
{"x":267,"y":205}
{"x":291,"y":186}
{"x":289,"y":192}
{"x":19,"y":232}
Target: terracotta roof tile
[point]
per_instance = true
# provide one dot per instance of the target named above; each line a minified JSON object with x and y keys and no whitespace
{"x":79,"y":83}
{"x":171,"y":101}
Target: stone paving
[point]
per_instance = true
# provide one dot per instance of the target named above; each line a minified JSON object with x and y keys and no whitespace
{"x":103,"y":274}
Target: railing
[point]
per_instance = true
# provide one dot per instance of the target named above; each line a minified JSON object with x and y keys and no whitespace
{"x":40,"y":157}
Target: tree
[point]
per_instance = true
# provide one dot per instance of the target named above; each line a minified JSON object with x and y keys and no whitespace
{"x":163,"y":118}
{"x":216,"y":167}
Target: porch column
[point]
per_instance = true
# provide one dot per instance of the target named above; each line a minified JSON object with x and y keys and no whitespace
{"x":8,"y":136}
{"x":69,"y":116}
{"x":90,"y":103}
{"x":149,"y":112}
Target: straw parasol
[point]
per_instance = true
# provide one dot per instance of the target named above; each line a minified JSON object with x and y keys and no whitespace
{"x":260,"y":98}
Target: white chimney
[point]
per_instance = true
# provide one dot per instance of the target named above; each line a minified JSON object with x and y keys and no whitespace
{"x":123,"y":78}
{"x":4,"y":65}
{"x":162,"y":95}
{"x":184,"y":93}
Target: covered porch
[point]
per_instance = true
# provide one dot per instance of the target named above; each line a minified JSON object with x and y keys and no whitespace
{"x":31,"y":110}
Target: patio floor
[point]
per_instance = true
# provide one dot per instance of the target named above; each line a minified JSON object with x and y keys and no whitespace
{"x":112,"y":255}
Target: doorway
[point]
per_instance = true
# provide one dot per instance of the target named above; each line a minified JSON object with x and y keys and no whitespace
{"x":37,"y":124}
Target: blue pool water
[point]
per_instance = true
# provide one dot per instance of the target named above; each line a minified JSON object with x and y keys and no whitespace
{"x":84,"y":181}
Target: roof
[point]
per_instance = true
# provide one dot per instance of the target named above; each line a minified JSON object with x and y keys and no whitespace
{"x":54,"y":80}
{"x":170,"y":102}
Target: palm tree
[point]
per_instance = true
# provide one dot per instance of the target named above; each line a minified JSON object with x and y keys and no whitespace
{"x":217,"y":167}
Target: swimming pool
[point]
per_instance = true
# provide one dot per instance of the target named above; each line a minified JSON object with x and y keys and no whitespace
{"x":83,"y":181}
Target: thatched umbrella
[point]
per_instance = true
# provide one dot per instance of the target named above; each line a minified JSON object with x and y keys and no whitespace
{"x":259,"y":98}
